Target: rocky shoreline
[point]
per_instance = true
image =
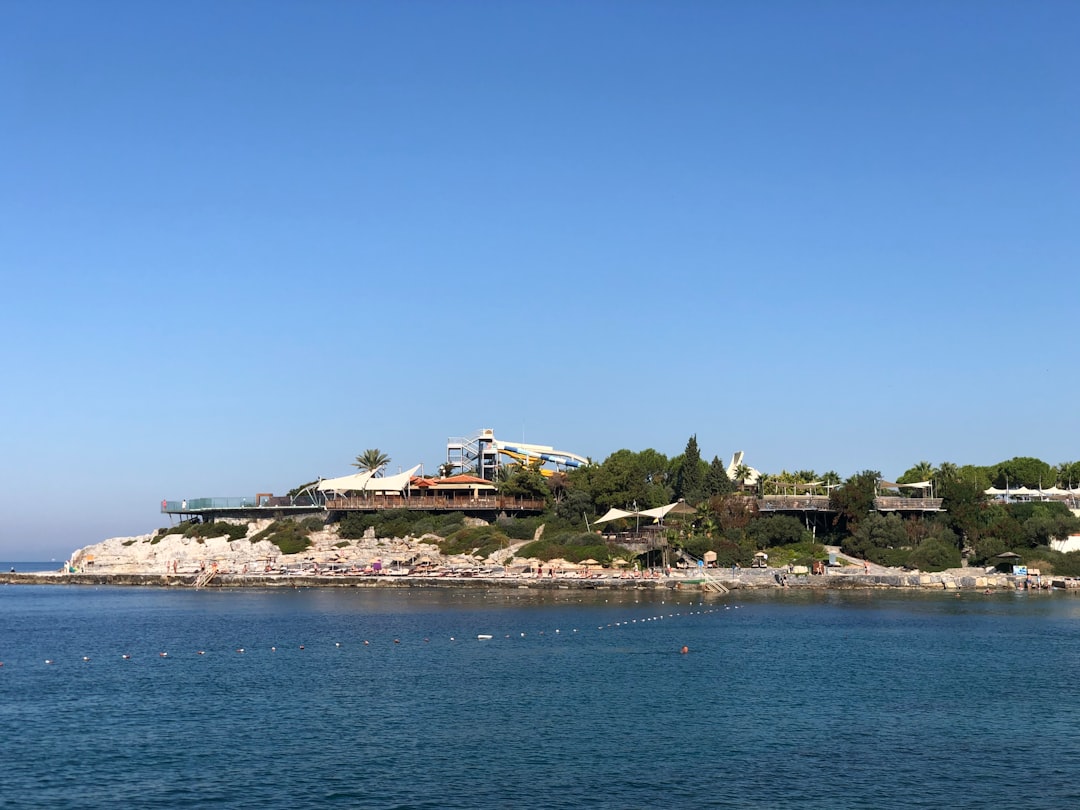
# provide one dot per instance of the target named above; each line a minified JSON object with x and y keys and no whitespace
{"x":176,"y":561}
{"x":681,"y":581}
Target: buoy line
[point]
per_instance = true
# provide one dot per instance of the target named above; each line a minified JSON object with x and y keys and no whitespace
{"x":558,"y":633}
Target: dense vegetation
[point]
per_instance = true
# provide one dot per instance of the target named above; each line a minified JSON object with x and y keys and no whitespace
{"x":725,"y":518}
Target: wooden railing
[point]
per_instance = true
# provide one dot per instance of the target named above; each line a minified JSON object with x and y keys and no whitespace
{"x":434,"y":504}
{"x":889,"y":503}
{"x":777,"y":503}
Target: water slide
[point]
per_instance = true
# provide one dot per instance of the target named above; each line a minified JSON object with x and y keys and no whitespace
{"x":530,"y":453}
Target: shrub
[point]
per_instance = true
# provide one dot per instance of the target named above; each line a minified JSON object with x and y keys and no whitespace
{"x":934,"y":554}
{"x":485,"y":539}
{"x":286,"y":535}
{"x":520,"y":528}
{"x":233,"y":531}
{"x":313,"y":524}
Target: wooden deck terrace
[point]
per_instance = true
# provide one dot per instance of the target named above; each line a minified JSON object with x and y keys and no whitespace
{"x":820,"y":503}
{"x":794,"y":503}
{"x":890,"y":503}
{"x":376,"y":503}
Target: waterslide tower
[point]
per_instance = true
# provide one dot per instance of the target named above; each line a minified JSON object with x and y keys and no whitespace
{"x":476,"y":455}
{"x":482,"y":455}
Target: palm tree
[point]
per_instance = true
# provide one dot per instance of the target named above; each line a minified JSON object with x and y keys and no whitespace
{"x":923,"y":471}
{"x":742,"y":472}
{"x":372,"y":461}
{"x":763,"y":482}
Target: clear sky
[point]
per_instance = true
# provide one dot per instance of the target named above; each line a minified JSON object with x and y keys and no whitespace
{"x":242,"y":242}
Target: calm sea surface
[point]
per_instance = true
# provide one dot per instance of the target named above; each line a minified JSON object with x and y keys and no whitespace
{"x":785,"y":699}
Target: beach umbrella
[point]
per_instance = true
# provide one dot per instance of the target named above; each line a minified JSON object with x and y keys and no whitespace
{"x":590,"y":561}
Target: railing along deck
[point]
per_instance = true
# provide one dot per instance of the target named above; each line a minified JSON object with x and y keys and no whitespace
{"x":434,"y":504}
{"x":195,"y":505}
{"x":778,"y":503}
{"x":891,"y":503}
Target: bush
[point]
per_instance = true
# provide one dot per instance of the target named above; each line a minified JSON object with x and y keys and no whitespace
{"x":520,"y":528}
{"x":203,"y":530}
{"x":179,"y":528}
{"x":313,"y":524}
{"x":354,"y":524}
{"x":486,"y":540}
{"x":286,"y":535}
{"x":934,"y":554}
{"x":1067,"y":565}
{"x":777,"y":530}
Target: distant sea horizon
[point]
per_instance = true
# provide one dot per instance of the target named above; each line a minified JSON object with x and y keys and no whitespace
{"x":32,"y":566}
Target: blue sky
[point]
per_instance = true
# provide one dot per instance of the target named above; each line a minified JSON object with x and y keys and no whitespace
{"x":243,"y":242}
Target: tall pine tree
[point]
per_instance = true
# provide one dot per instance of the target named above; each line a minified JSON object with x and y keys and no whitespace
{"x":691,"y":481}
{"x":717,"y":481}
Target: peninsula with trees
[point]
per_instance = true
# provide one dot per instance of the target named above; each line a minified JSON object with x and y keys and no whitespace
{"x":633,"y":513}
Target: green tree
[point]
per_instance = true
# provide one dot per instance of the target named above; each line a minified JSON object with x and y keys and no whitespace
{"x":873,"y":534}
{"x":853,"y":500}
{"x":923,"y":471}
{"x":1068,"y":474}
{"x":935,"y":554}
{"x":525,"y":482}
{"x":690,"y":482}
{"x":742,"y":472}
{"x":372,"y":460}
{"x":965,"y":510}
{"x":778,"y":530}
{"x":574,"y":505}
{"x":1024,"y":471}
{"x":716,"y":479}
{"x":626,"y":480}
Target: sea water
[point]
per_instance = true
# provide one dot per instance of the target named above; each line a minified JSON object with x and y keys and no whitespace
{"x":387,"y":698}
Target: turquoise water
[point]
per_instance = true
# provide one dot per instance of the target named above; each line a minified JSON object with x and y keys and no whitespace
{"x":831,"y":700}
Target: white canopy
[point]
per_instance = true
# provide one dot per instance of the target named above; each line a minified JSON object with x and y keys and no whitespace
{"x":919,"y":485}
{"x":1023,"y":491}
{"x":346,"y":483}
{"x":660,"y":512}
{"x":1055,"y":490}
{"x":656,"y":513}
{"x":614,"y":514}
{"x":994,"y":491}
{"x":367,"y":482}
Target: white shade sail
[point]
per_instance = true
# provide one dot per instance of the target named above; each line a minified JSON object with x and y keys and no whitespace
{"x":367,"y":482}
{"x":614,"y":514}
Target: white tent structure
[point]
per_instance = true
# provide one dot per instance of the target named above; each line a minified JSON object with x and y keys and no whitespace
{"x":367,"y":482}
{"x":615,"y":514}
{"x":661,"y":512}
{"x":346,"y":483}
{"x":657,"y":513}
{"x":923,"y":485}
